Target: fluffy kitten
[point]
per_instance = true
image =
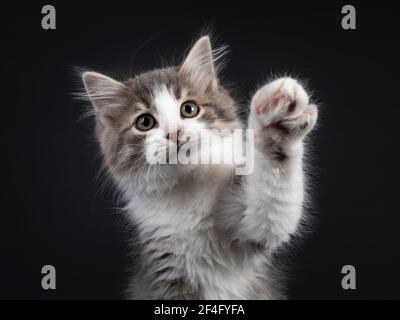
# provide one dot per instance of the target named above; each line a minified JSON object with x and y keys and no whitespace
{"x":205,"y":232}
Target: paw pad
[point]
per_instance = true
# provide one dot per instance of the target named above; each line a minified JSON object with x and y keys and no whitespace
{"x":283,"y":105}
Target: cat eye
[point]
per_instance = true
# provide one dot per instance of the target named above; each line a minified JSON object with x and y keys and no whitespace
{"x":189,"y":109}
{"x":145,"y":122}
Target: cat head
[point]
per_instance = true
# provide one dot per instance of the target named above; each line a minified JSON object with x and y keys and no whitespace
{"x":159,"y":110}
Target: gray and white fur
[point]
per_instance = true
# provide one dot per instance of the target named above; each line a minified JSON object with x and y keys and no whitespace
{"x":204,"y":232}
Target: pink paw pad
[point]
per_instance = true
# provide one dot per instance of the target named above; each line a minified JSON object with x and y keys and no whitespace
{"x":260,"y":108}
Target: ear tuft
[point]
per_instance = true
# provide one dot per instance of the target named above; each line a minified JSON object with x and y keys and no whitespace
{"x":97,"y":84}
{"x":106,"y":95}
{"x":199,"y":64}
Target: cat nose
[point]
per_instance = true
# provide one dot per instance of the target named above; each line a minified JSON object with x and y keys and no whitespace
{"x":173,"y":135}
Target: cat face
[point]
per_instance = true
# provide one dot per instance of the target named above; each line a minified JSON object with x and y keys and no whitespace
{"x":159,"y":111}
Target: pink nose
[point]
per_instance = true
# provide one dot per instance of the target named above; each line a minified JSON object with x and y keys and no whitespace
{"x":173,"y":135}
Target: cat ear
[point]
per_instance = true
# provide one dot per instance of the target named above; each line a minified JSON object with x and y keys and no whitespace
{"x":106,"y":95}
{"x":199,"y":65}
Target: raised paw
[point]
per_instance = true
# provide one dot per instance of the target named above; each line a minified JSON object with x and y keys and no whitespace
{"x":282,"y":110}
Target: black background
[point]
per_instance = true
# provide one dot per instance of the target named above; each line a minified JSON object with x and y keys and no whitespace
{"x":53,"y":209}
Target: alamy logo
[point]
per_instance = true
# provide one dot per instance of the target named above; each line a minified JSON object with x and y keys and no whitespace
{"x":349,"y":20}
{"x":49,"y":20}
{"x":49,"y":280}
{"x":349,"y":280}
{"x":214,"y":147}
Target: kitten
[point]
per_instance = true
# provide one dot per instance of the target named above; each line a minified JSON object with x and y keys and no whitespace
{"x":205,"y":233}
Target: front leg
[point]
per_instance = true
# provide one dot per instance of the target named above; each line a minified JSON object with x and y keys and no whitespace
{"x":281,"y":117}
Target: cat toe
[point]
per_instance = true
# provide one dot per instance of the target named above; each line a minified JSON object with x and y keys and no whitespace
{"x":283,"y":105}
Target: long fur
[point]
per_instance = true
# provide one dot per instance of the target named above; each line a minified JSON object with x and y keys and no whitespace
{"x":204,"y":232}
